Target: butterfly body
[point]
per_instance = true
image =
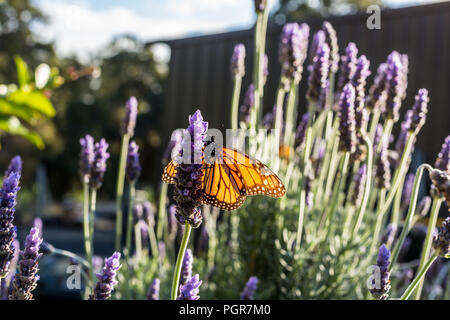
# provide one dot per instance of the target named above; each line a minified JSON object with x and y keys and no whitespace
{"x":230,"y":177}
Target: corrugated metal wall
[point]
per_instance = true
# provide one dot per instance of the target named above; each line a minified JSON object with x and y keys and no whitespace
{"x":200,"y":78}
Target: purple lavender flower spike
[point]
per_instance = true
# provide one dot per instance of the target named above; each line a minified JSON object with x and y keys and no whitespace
{"x":188,"y":179}
{"x":359,"y":82}
{"x":86,"y":158}
{"x":318,"y":73}
{"x":153,"y":291}
{"x":250,"y":288}
{"x":347,"y":130}
{"x":383,"y":169}
{"x":99,"y":164}
{"x":37,"y":223}
{"x":237,"y":64}
{"x":323,"y":97}
{"x":190,"y":290}
{"x":348,"y":66}
{"x":133,"y":167}
{"x":97,"y":263}
{"x":129,"y":121}
{"x":174,"y":147}
{"x":106,"y":280}
{"x":404,"y":132}
{"x":186,"y":267}
{"x":15,"y":165}
{"x":380,"y":290}
{"x":26,"y":279}
{"x":248,"y":104}
{"x":443,"y":159}
{"x":8,"y":194}
{"x":377,"y":92}
{"x":406,"y":192}
{"x":301,"y":132}
{"x":260,"y":5}
{"x":331,"y":40}
{"x":268,"y":120}
{"x":358,"y":186}
{"x":318,"y":40}
{"x":441,"y":241}
{"x":394,"y":91}
{"x":292,"y":52}
{"x":419,"y":110}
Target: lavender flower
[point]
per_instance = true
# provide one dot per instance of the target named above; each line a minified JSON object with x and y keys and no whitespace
{"x":99,"y":164}
{"x":443,"y":159}
{"x":358,"y":186}
{"x":248,"y":104}
{"x":26,"y":279}
{"x":318,"y":40}
{"x":129,"y":121}
{"x":292,"y":53}
{"x":419,"y":110}
{"x":406,"y":192}
{"x":403,"y":136}
{"x":8,"y":194}
{"x":318,"y":156}
{"x":348,"y":66}
{"x":394,"y":91}
{"x":8,"y":280}
{"x":380,"y":290}
{"x":133,"y":167}
{"x":188,"y":179}
{"x":323,"y":97}
{"x":359,"y":82}
{"x":301,"y":132}
{"x":378,"y":136}
{"x":15,"y":165}
{"x":260,"y":5}
{"x":189,"y":291}
{"x":97,"y":263}
{"x":377,"y":92}
{"x":347,"y":130}
{"x":106,"y":280}
{"x":440,"y":184}
{"x":174,"y":146}
{"x":441,"y":241}
{"x":268,"y":120}
{"x":237,"y":64}
{"x":86,"y":157}
{"x":383,"y":170}
{"x":331,"y":40}
{"x":186,"y":267}
{"x":153,"y":291}
{"x":250,"y":288}
{"x":318,"y":73}
{"x":37,"y":223}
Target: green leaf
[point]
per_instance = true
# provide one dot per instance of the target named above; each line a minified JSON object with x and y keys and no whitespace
{"x":10,"y":109}
{"x":35,"y":100}
{"x":23,"y":75}
{"x":12,"y":125}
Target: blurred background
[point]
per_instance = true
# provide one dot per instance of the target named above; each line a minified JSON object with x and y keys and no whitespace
{"x":83,"y":59}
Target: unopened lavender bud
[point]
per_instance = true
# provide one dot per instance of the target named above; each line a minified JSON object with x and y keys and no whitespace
{"x":419,"y":110}
{"x":394,"y":91}
{"x":133,"y":167}
{"x":384,"y":285}
{"x":358,"y":186}
{"x":383,"y":170}
{"x":237,"y":64}
{"x":359,"y":82}
{"x":153,"y":291}
{"x":331,"y":40}
{"x":86,"y":157}
{"x":318,"y":40}
{"x":443,"y":159}
{"x":248,"y":104}
{"x":190,"y":290}
{"x":348,"y":66}
{"x":323,"y":97}
{"x":300,"y":133}
{"x":129,"y":121}
{"x":377,"y":92}
{"x":407,"y":190}
{"x":347,"y":130}
{"x":250,"y":288}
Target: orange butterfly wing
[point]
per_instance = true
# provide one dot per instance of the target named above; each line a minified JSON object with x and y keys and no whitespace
{"x":256,"y":176}
{"x":169,"y":172}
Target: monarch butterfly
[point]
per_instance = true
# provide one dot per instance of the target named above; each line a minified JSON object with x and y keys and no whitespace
{"x":227,"y":183}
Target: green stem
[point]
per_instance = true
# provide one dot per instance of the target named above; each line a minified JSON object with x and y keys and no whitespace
{"x":182,"y":250}
{"x":290,"y":115}
{"x":373,"y":123}
{"x":379,"y":223}
{"x":87,"y":229}
{"x":419,"y":277}
{"x":235,"y":102}
{"x":437,"y":201}
{"x":138,"y":241}
{"x":411,"y":211}
{"x":153,"y":241}
{"x":130,"y":218}
{"x":162,"y":211}
{"x":119,"y":190}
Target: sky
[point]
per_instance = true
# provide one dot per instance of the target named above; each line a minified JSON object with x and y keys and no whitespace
{"x":84,"y":26}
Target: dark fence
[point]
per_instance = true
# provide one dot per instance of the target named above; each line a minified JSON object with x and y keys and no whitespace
{"x":200,"y":78}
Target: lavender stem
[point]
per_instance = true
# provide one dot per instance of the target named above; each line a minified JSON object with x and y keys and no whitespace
{"x":181,"y":251}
